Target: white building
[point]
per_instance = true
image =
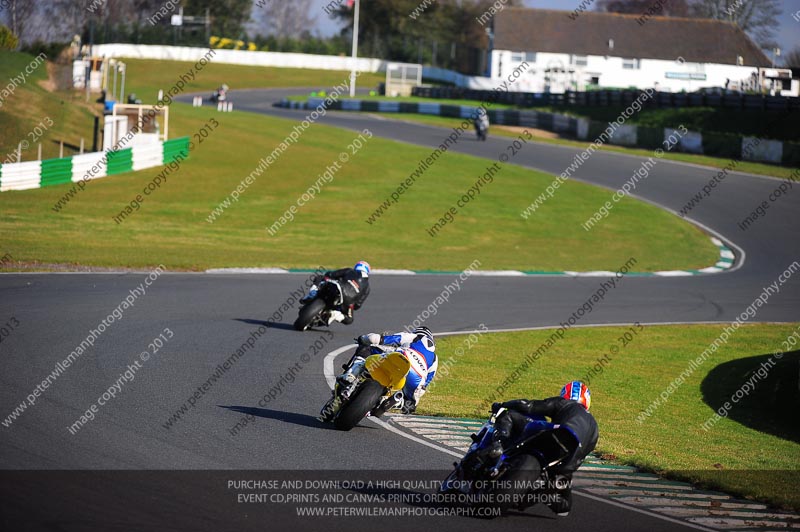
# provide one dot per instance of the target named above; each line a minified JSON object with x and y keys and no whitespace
{"x":609,"y":50}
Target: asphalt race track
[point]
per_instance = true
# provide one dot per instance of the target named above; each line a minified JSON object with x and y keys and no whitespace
{"x":118,"y":471}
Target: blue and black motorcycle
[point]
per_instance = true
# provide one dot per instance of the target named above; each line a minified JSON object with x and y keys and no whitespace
{"x":515,"y":477}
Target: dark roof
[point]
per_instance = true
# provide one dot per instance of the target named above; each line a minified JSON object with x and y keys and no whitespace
{"x":696,"y":40}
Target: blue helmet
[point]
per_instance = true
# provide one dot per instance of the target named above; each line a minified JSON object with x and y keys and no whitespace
{"x":363,"y":267}
{"x":424,"y":331}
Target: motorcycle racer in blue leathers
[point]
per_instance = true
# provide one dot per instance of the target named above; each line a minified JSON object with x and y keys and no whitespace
{"x":418,"y":346}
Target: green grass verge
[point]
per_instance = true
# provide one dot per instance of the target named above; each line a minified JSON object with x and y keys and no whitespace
{"x":146,"y":77}
{"x":704,"y":160}
{"x":171,"y":225}
{"x":733,"y":455}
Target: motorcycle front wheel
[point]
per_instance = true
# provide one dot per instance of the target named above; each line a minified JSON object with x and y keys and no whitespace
{"x":308,"y":314}
{"x":354,"y":411}
{"x":516,"y":486}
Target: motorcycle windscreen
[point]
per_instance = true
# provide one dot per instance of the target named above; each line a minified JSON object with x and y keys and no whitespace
{"x":390,"y":370}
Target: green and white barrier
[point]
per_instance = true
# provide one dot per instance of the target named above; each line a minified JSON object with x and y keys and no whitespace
{"x":37,"y":174}
{"x":82,"y":165}
{"x":20,"y":176}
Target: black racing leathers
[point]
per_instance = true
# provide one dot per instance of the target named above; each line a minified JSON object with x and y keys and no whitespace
{"x":560,"y":411}
{"x":355,"y":286}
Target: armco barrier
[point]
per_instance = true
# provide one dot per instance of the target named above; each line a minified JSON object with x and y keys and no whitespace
{"x":147,"y":156}
{"x":21,"y":176}
{"x":56,"y":171}
{"x":650,"y":137}
{"x":725,"y":145}
{"x":120,"y":161}
{"x":763,"y":150}
{"x":174,"y":148}
{"x":791,"y":154}
{"x":88,"y":166}
{"x":37,"y":174}
{"x":691,"y":142}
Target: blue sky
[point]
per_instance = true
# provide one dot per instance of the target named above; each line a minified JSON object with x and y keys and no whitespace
{"x":788,"y":35}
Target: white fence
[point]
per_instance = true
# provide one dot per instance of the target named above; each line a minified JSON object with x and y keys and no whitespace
{"x":460,"y":80}
{"x":239,"y":57}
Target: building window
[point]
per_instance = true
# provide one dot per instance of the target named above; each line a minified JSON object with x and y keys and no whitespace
{"x":631,"y":64}
{"x":521,"y":57}
{"x":698,"y":67}
{"x":578,"y":60}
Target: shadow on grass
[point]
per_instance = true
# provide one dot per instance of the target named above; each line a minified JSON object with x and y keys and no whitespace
{"x":761,"y":392}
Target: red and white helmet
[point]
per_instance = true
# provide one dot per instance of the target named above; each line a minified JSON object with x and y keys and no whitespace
{"x":577,"y":391}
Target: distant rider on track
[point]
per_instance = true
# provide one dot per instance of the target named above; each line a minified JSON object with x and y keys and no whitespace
{"x":355,"y":289}
{"x":481,"y":124}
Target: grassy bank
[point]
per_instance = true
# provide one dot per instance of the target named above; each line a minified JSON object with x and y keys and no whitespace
{"x":35,"y":102}
{"x":175,"y":224}
{"x":172,"y":225}
{"x":146,"y":77}
{"x":59,"y":116}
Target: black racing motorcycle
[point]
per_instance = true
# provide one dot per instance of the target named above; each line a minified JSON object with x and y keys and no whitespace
{"x":516,"y":477}
{"x":319,"y":310}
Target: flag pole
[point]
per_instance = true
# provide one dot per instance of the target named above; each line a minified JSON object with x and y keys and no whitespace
{"x":355,"y":50}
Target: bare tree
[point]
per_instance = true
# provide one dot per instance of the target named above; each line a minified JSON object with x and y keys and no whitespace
{"x":283,"y":19}
{"x":65,"y":19}
{"x":19,"y":15}
{"x":59,"y":20}
{"x":667,"y":8}
{"x":758,"y":18}
{"x":792,"y":59}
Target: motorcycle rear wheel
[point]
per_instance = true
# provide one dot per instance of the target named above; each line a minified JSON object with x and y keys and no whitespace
{"x":308,"y":314}
{"x":354,"y":411}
